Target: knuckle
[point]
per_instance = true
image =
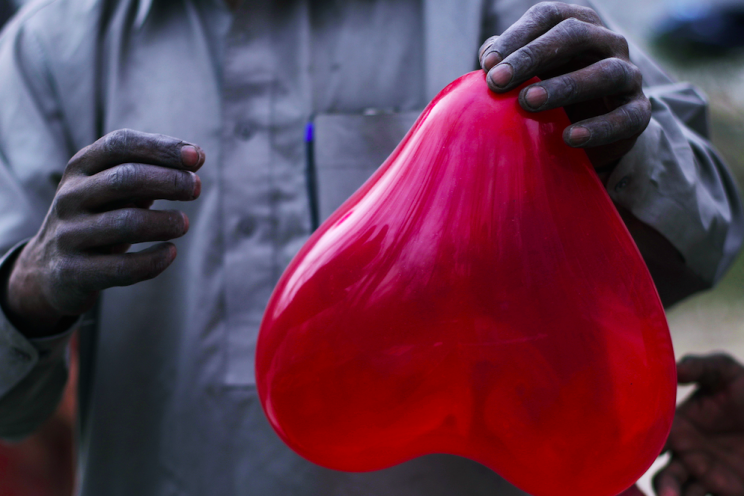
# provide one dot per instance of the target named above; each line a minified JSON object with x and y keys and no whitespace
{"x":182,"y":183}
{"x":641,"y":112}
{"x":547,"y":8}
{"x":159,"y":263}
{"x":547,"y":13}
{"x":525,"y":59}
{"x":568,"y":87}
{"x":123,"y":177}
{"x":125,"y":273}
{"x":635,"y":77}
{"x":620,"y":43}
{"x":66,"y":236}
{"x":129,"y":270}
{"x":689,"y":358}
{"x":64,"y":202}
{"x":604,"y":129}
{"x":118,"y":142}
{"x":163,"y":142}
{"x":59,"y":208}
{"x":574,"y":30}
{"x":124,"y":221}
{"x":723,"y":360}
{"x":619,"y":71}
{"x":631,"y":119}
{"x":588,"y":14}
{"x":486,"y":45}
{"x":152,"y":265}
{"x":616,"y":44}
{"x":646,"y":109}
{"x":79,"y":158}
{"x":698,"y":462}
{"x":62,"y":272}
{"x":572,"y":23}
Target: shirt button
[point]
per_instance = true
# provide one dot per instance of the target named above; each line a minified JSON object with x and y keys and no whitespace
{"x":622,"y":183}
{"x":247,"y":226}
{"x":244,"y":131}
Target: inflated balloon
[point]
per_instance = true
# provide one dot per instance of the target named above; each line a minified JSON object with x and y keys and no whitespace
{"x":478,"y":296}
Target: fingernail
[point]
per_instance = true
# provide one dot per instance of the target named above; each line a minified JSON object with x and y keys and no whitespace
{"x":501,"y":75}
{"x":190,"y":156}
{"x":197,"y":186}
{"x":535,"y":97}
{"x":579,"y":136}
{"x":185,"y":223}
{"x":490,"y":59}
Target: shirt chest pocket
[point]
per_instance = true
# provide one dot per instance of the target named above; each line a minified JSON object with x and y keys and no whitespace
{"x":348,"y":149}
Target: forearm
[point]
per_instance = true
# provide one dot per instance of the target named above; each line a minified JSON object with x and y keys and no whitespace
{"x":32,"y":377}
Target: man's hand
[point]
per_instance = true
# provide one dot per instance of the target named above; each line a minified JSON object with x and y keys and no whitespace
{"x":102,"y":207}
{"x":584,"y":67}
{"x":707,"y":438}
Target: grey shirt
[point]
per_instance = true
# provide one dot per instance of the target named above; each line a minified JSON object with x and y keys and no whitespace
{"x":168,"y":403}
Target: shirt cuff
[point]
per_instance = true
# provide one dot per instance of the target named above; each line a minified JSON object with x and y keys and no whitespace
{"x":656,"y":181}
{"x":19,"y":354}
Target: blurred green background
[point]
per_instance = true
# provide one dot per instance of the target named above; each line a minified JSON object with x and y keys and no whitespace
{"x":712,"y":320}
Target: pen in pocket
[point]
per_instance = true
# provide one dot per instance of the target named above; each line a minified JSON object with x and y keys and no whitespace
{"x":311,"y":179}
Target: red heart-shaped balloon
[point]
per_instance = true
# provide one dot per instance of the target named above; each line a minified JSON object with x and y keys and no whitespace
{"x":478,"y":296}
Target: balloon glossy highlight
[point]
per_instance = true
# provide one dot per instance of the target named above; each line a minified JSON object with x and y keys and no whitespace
{"x":478,"y":296}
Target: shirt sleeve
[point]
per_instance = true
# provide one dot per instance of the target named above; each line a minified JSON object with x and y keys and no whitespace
{"x":33,"y":153}
{"x":676,"y":182}
{"x":33,"y":374}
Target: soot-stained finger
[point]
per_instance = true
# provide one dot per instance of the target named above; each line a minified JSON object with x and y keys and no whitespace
{"x":125,"y":226}
{"x":686,"y":436}
{"x":715,"y":474}
{"x":138,"y":181}
{"x":697,"y":461}
{"x":694,"y":488}
{"x":670,"y":480}
{"x":126,"y":145}
{"x":106,"y":271}
{"x":710,"y":372}
{"x":537,"y":21}
{"x":611,"y":76}
{"x":625,"y":122}
{"x":555,"y":48}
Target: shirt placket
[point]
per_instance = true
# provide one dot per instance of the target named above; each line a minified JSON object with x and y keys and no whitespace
{"x":265,"y":207}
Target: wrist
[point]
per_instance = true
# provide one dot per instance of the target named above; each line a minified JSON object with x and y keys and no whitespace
{"x":23,"y":302}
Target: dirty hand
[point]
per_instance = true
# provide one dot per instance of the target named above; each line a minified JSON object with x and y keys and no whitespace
{"x":707,"y":438}
{"x":584,"y":67}
{"x":101,"y":207}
